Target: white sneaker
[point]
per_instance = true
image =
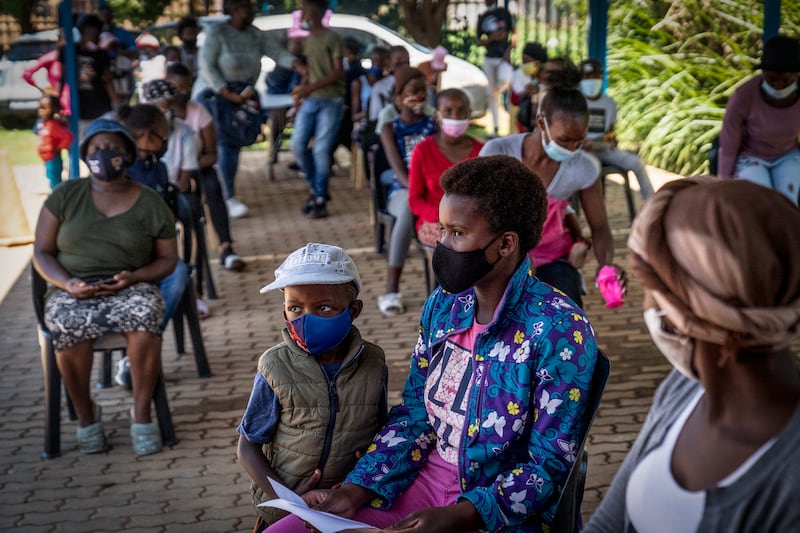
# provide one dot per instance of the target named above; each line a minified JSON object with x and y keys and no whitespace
{"x":236,"y":209}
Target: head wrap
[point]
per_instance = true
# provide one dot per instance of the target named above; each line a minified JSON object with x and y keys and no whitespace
{"x":155,"y":90}
{"x":721,"y":258}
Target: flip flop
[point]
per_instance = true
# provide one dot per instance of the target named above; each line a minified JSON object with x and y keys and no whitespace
{"x":202,"y":310}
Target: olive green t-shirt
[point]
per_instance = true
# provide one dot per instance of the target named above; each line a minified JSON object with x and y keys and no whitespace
{"x":320,"y":49}
{"x":92,"y":246}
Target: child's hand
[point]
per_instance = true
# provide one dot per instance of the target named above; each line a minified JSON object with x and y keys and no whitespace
{"x":310,"y":483}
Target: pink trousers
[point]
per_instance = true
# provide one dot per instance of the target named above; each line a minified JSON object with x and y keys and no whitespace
{"x":435,"y":486}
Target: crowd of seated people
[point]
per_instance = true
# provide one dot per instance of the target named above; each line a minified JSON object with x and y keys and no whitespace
{"x":509,"y":303}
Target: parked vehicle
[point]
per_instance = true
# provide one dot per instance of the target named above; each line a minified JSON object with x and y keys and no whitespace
{"x":459,"y":73}
{"x":18,"y":99}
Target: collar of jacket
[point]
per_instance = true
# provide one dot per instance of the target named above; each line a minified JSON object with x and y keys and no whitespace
{"x":462,"y":306}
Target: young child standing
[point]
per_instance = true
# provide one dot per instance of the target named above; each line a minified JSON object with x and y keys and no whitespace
{"x":321,"y":109}
{"x":320,"y":395}
{"x":53,"y":137}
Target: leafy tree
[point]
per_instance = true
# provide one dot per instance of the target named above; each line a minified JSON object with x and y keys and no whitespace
{"x":21,"y":10}
{"x":674,"y":65}
{"x":140,"y":13}
{"x":424,"y":19}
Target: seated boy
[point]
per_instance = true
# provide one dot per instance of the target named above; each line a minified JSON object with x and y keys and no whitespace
{"x":601,"y":140}
{"x":319,"y":396}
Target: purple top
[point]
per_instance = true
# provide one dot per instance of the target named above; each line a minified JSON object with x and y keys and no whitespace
{"x":753,"y":127}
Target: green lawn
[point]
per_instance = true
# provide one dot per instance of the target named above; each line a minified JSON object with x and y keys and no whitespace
{"x":21,"y":146}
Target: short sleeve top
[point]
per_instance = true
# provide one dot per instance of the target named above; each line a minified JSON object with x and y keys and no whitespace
{"x":92,"y":245}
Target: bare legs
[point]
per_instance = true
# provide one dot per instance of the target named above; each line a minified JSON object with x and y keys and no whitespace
{"x":144,"y":354}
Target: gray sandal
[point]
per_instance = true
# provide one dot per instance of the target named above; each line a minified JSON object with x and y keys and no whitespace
{"x":145,"y":438}
{"x":92,"y":439}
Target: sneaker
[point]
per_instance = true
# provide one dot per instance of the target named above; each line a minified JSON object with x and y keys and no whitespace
{"x":319,"y":210}
{"x":123,"y":374}
{"x":391,"y":304}
{"x":294,"y":166}
{"x":202,"y":309}
{"x":231,"y":261}
{"x":145,"y":438}
{"x":309,"y":205}
{"x":236,"y":209}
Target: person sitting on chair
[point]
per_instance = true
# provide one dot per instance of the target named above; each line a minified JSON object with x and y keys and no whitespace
{"x":758,"y":141}
{"x":103,"y":243}
{"x":398,"y":140}
{"x":448,"y":146}
{"x":601,"y":140}
{"x":720,"y":264}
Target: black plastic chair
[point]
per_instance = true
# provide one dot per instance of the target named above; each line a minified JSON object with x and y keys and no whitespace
{"x":607,"y":170}
{"x":567,"y":518}
{"x":52,"y":379}
{"x":382,"y":220}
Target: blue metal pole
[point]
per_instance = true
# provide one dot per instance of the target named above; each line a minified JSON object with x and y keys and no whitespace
{"x":598,"y":33}
{"x":772,"y":18}
{"x":71,"y":75}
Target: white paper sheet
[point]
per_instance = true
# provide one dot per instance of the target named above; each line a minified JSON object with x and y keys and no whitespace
{"x":291,"y":502}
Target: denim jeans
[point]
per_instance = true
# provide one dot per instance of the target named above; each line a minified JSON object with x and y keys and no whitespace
{"x":783,"y":174}
{"x":563,"y":276}
{"x":172,"y":288}
{"x":318,"y":118}
{"x":227,"y":165}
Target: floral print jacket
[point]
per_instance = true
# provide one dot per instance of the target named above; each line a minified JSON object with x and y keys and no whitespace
{"x":532,"y":368}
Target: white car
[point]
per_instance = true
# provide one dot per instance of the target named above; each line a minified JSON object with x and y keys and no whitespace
{"x":19,"y":101}
{"x":459,"y":74}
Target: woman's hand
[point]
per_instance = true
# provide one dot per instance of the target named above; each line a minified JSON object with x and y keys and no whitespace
{"x":344,"y":501}
{"x":121,"y":280}
{"x":80,"y":289}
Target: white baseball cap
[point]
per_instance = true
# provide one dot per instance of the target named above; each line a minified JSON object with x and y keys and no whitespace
{"x":315,"y":264}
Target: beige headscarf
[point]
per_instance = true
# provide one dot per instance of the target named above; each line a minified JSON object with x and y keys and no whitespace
{"x":721,"y":258}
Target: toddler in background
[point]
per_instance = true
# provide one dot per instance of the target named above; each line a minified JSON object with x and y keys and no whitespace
{"x":53,"y":137}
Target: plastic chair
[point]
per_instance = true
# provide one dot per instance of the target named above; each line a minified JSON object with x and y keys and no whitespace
{"x":52,"y":378}
{"x":567,"y":517}
{"x":382,"y":220}
{"x":427,"y":265}
{"x":607,"y":170}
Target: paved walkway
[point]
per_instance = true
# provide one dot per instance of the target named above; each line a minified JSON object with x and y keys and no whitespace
{"x":198,"y":485}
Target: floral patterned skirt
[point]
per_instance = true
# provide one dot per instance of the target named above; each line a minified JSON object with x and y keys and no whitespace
{"x":135,"y":308}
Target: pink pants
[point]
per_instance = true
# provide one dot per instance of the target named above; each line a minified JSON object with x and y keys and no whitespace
{"x":435,"y":486}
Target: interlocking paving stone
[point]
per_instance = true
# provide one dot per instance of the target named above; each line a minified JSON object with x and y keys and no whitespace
{"x":197,"y":485}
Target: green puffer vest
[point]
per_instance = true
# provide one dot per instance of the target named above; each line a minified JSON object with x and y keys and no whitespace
{"x":308,"y":424}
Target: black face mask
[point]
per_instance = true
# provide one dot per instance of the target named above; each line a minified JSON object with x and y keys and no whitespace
{"x":107,"y":165}
{"x":458,"y":271}
{"x":190,"y":44}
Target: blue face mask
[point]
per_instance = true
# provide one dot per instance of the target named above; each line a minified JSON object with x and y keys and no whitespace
{"x":375,"y":71}
{"x":591,"y":87}
{"x":316,"y":334}
{"x":555,"y":151}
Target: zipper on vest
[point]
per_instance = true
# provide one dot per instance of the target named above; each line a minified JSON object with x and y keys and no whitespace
{"x":333,"y":399}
